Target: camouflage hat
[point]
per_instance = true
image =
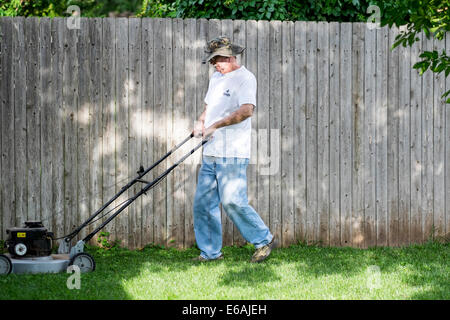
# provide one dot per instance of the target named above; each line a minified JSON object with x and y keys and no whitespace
{"x":222,"y":46}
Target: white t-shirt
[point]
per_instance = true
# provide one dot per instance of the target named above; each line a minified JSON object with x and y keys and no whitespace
{"x":226,"y":94}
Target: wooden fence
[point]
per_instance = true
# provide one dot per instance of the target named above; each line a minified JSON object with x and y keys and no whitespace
{"x":350,"y":145}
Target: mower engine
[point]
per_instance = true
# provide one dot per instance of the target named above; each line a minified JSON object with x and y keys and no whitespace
{"x":32,"y":240}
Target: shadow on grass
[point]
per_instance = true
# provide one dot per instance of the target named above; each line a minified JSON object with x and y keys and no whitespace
{"x":423,"y":267}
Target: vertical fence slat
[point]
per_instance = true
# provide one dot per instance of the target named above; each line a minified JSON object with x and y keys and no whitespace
{"x":7,"y":126}
{"x":57,"y":131}
{"x":109,"y":113}
{"x":95,"y":119}
{"x":47,"y":96}
{"x":311,"y":132}
{"x":287,"y":131}
{"x":169,"y":129}
{"x":180,"y":128}
{"x":83,"y":119}
{"x":346,"y":132}
{"x":275,"y":125}
{"x":369,"y":137}
{"x":335,"y":222}
{"x":147,"y":123}
{"x":427,"y":146}
{"x":33,"y":118}
{"x":404,"y":150}
{"x":20,"y":120}
{"x":416,"y":145}
{"x":299,"y":134}
{"x":381,"y":136}
{"x":438,"y":148}
{"x":70,"y":106}
{"x":190,"y":68}
{"x":358,"y":109}
{"x":159,"y":131}
{"x":323,"y":140}
{"x":393,"y":118}
{"x":135,"y":128}
{"x":122,"y":126}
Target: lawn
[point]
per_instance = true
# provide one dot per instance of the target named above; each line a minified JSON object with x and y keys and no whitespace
{"x":297,"y":272}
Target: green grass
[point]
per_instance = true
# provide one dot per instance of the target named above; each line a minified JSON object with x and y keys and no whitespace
{"x":297,"y":272}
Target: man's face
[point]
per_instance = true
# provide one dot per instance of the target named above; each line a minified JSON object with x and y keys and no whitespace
{"x":222,"y":64}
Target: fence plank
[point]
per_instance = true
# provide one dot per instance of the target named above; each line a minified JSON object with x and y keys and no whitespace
{"x":427,"y":146}
{"x":180,"y":128}
{"x":122,"y":108}
{"x":47,"y":103}
{"x":57,"y":131}
{"x":33,"y":118}
{"x":287,"y":131}
{"x":358,"y":109}
{"x":95,"y":119}
{"x":109,"y":114}
{"x":191,"y":113}
{"x":299,"y":134}
{"x":82,"y":150}
{"x":345,"y":138}
{"x":311,"y":133}
{"x":7,"y":126}
{"x":20,"y":120}
{"x":275,"y":125}
{"x":369,"y":137}
{"x":335,"y":221}
{"x":416,"y":145}
{"x":404,"y":150}
{"x":135,"y":129}
{"x":438,"y":148}
{"x":148,"y":120}
{"x":381,"y":136}
{"x":323,"y":135}
{"x":393,"y":116}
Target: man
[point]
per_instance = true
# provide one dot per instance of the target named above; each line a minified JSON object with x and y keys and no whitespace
{"x":230,"y":101}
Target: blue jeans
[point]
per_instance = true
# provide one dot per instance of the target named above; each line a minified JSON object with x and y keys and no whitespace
{"x":224,"y":180}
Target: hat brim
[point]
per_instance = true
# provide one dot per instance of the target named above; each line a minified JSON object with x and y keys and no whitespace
{"x":235,"y":50}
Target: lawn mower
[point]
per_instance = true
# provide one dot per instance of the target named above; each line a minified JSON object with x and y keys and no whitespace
{"x":30,"y":247}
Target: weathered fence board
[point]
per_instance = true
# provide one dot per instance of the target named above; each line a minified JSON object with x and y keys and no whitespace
{"x":350,"y":145}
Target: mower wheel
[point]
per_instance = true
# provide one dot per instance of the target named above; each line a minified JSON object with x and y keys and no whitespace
{"x":5,"y":265}
{"x":84,"y":261}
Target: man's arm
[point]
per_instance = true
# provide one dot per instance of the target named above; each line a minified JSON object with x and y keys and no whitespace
{"x":199,"y":127}
{"x":244,"y":112}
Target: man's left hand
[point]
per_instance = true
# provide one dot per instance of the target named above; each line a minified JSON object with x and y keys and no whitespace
{"x":209,"y":132}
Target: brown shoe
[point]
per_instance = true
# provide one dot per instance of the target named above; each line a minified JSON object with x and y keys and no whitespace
{"x":201,"y":259}
{"x":262,"y":253}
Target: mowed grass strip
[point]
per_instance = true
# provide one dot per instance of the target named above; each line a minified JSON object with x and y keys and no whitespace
{"x":297,"y":272}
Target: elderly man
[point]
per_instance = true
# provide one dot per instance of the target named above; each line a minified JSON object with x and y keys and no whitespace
{"x":230,"y":101}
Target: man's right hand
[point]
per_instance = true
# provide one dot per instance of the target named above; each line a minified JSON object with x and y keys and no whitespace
{"x":199,"y":129}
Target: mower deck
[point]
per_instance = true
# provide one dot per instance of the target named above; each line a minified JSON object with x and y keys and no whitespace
{"x":50,"y":264}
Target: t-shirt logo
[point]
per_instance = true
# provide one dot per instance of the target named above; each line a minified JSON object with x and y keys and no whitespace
{"x":227,"y":93}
